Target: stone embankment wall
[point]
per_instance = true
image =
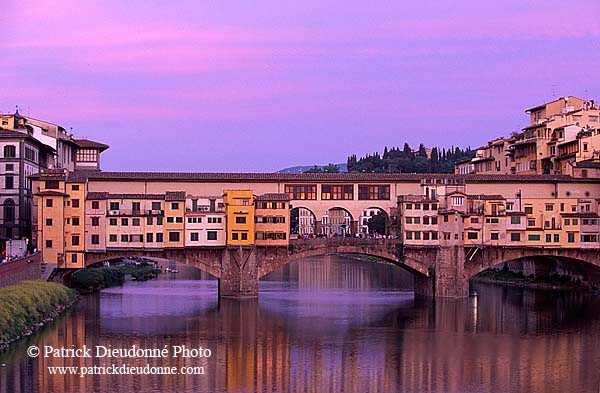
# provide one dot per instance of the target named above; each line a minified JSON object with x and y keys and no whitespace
{"x":26,"y":268}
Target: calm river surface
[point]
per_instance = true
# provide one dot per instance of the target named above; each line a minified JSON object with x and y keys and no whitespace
{"x":320,"y":325}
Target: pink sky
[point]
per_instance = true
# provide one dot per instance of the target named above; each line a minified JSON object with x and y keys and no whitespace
{"x":258,"y":86}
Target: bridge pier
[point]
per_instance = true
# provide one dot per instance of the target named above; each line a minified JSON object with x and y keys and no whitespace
{"x":447,"y":277}
{"x":239,"y":273}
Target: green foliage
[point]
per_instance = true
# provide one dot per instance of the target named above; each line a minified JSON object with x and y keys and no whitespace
{"x":376,"y":223}
{"x":396,"y":160}
{"x":331,"y":168}
{"x":24,"y":305}
{"x":94,"y":279}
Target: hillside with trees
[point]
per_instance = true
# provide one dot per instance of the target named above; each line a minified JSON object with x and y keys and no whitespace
{"x":405,"y":160}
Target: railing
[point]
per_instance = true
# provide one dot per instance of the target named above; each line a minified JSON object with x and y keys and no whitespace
{"x":205,"y":209}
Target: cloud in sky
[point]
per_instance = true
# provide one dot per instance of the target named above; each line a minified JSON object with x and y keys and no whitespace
{"x":267,"y":84}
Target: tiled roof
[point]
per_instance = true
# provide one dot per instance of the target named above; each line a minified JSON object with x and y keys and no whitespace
{"x":51,"y":193}
{"x":273,"y":197}
{"x":175,"y":196}
{"x":106,"y":195}
{"x":588,"y":164}
{"x":88,"y":144}
{"x":483,"y":197}
{"x":82,"y":176}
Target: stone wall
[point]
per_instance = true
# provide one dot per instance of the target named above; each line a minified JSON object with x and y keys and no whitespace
{"x":27,"y":268}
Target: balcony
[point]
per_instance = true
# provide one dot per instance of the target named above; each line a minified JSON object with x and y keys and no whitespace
{"x":205,"y":209}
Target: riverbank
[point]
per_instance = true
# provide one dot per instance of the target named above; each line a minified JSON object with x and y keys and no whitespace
{"x":92,"y":280}
{"x":507,"y":277}
{"x":28,"y":306}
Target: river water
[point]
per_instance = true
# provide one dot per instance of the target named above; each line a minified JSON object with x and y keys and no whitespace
{"x":320,"y":325}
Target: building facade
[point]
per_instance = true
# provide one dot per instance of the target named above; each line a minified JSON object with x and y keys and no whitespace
{"x":27,"y":146}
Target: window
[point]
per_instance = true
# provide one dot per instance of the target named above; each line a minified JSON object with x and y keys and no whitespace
{"x":571,"y":237}
{"x":10,"y":167}
{"x":244,"y":236}
{"x":535,"y":238}
{"x":434,"y":220}
{"x":124,"y":238}
{"x":149,"y":220}
{"x":48,"y":222}
{"x":75,"y":203}
{"x":75,"y":240}
{"x":10,"y":151}
{"x":124,"y":222}
{"x":112,"y":222}
{"x":86,"y":155}
{"x":549,"y":207}
{"x":434,"y":206}
{"x":426,"y":220}
{"x":373,"y":192}
{"x":548,"y":238}
{"x":159,"y":220}
{"x":9,"y":182}
{"x":341,"y":192}
{"x":149,"y":237}
{"x":73,"y":258}
{"x":567,"y":221}
{"x":135,"y":222}
{"x":159,"y":237}
{"x":494,"y":236}
{"x":434,"y":235}
{"x":48,"y":243}
{"x":474,"y":220}
{"x":409,"y":220}
{"x":409,"y":206}
{"x":457,"y":201}
{"x":240,"y":220}
{"x":425,"y":235}
{"x":194,"y":236}
{"x":575,"y":221}
{"x":95,"y":239}
{"x":75,"y":187}
{"x":308,"y":191}
{"x":155,"y":205}
{"x":585,"y":147}
{"x":114,"y":206}
{"x":510,"y":206}
{"x":179,"y":219}
{"x":95,"y":205}
{"x":75,"y":221}
{"x":211,"y":235}
{"x":135,"y":206}
{"x":174,"y":205}
{"x":170,"y":220}
{"x":515,"y":237}
{"x":515,"y":220}
{"x":528,"y":209}
{"x":49,"y":202}
{"x":417,"y":235}
{"x":531,"y":222}
{"x":173,"y":236}
{"x":234,"y":236}
{"x":472,"y":235}
{"x":409,"y":235}
{"x":417,"y":220}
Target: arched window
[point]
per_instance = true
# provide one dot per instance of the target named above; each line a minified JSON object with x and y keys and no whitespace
{"x":9,"y":211}
{"x":10,"y":151}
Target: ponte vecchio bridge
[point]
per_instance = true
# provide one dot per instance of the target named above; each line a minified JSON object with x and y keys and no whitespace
{"x":443,"y":228}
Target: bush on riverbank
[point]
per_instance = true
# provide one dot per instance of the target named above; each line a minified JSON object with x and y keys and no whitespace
{"x":29,"y":304}
{"x":95,"y":279}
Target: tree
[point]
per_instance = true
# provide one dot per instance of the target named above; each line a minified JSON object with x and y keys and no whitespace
{"x":376,"y":223}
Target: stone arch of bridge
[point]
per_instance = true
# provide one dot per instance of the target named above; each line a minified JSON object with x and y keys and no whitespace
{"x":207,"y":260}
{"x":412,"y":265}
{"x":587,"y":262}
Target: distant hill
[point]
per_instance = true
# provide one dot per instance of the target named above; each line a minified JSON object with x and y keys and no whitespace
{"x":303,"y":168}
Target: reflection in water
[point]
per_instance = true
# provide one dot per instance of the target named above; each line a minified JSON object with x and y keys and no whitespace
{"x":326,"y":324}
